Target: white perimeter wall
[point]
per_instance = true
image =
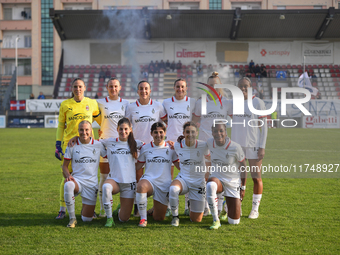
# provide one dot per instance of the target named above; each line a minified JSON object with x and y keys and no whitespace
{"x":77,"y":52}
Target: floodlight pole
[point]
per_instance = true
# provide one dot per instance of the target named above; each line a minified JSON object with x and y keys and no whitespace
{"x":16,"y":67}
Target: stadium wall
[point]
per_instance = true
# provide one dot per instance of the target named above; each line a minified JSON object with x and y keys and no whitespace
{"x":78,"y":52}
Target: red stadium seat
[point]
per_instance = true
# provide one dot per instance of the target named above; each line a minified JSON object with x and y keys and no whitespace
{"x":333,"y":75}
{"x":325,"y":66}
{"x":338,"y":74}
{"x":337,"y":88}
{"x":267,"y":67}
{"x":100,"y":89}
{"x":101,"y":84}
{"x":336,"y":85}
{"x":89,"y":89}
{"x":319,"y":66}
{"x":331,"y":70}
{"x":337,"y":70}
{"x":272,"y":67}
{"x":294,"y":66}
{"x":330,"y":66}
{"x":99,"y":94}
{"x":335,"y":66}
{"x":315,"y":66}
{"x":69,"y":80}
{"x":89,"y":84}
{"x":67,"y":89}
{"x":299,"y":66}
{"x":289,"y":67}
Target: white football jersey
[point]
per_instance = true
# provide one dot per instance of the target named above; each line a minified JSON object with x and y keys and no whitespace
{"x":143,"y":116}
{"x":178,"y":112}
{"x":243,"y":133}
{"x":121,"y":161}
{"x":225,"y":160}
{"x":111,"y":112}
{"x":158,"y":161}
{"x":85,"y":160}
{"x":213,"y":112}
{"x":191,"y":161}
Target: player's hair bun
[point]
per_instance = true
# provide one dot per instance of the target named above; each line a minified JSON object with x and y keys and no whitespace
{"x":214,"y":74}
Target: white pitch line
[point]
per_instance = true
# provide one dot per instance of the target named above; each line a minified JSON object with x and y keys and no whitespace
{"x":299,"y":150}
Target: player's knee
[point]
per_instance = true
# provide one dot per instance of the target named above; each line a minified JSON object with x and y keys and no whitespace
{"x":196,"y":219}
{"x":233,"y":221}
{"x":69,"y":187}
{"x":124,"y":218}
{"x":83,"y":218}
{"x":211,"y":188}
{"x":257,"y":180}
{"x":159,"y":217}
{"x":107,"y":188}
{"x":174,"y":191}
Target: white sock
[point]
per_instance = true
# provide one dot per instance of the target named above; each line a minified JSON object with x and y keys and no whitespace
{"x":173,"y":198}
{"x":101,"y":182}
{"x":62,"y":208}
{"x":86,"y":218}
{"x":220,"y":202}
{"x":206,"y":204}
{"x":69,"y":198}
{"x":107,"y":199}
{"x":142,"y":203}
{"x":231,"y":221}
{"x":256,"y":201}
{"x":186,"y":201}
{"x":212,"y":199}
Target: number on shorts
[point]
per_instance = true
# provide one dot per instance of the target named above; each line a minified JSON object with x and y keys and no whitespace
{"x":133,"y":185}
{"x":201,"y":190}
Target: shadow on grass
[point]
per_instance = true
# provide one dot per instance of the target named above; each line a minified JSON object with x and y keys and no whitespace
{"x":48,"y":219}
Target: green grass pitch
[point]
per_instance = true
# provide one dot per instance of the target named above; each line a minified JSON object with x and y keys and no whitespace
{"x":299,"y":212}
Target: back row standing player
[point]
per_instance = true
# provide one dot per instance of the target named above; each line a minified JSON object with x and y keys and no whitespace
{"x":143,"y":114}
{"x":252,"y":140}
{"x":112,"y":109}
{"x":179,"y":109}
{"x":72,"y":111}
{"x":217,"y":111}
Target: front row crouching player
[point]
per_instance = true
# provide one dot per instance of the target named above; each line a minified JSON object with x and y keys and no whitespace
{"x":191,"y":154}
{"x":85,"y":161}
{"x":228,"y":175}
{"x":157,"y":157}
{"x":121,"y":153}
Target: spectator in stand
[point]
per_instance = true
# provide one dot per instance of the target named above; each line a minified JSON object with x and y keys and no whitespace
{"x":179,"y":65}
{"x":32,"y":96}
{"x":162,"y":65}
{"x":167,"y":65}
{"x":251,"y":66}
{"x":257,"y":70}
{"x":145,"y":74}
{"x":108,"y":73}
{"x":242,"y":72}
{"x":194,"y":65}
{"x":199,"y":68}
{"x":41,"y":96}
{"x":263,"y":71}
{"x":151,"y":68}
{"x":318,"y":96}
{"x":157,"y":68}
{"x":96,"y":96}
{"x":102,"y":74}
{"x":173,"y":66}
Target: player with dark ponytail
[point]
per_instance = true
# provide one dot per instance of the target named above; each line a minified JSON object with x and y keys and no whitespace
{"x":121,"y":153}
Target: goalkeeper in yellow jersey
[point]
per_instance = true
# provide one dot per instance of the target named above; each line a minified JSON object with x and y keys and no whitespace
{"x":73,"y":111}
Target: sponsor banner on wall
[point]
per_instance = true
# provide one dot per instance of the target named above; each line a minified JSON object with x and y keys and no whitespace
{"x":43,"y":105}
{"x":25,"y":121}
{"x":321,"y":53}
{"x":320,"y":122}
{"x":274,"y":52}
{"x":188,"y":52}
{"x":51,"y":121}
{"x":2,"y":121}
{"x":315,"y":107}
{"x":147,"y":52}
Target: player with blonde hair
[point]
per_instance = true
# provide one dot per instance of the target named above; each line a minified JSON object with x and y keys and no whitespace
{"x":72,"y":111}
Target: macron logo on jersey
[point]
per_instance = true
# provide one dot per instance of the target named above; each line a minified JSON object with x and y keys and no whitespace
{"x":158,"y":159}
{"x":85,"y":160}
{"x":145,"y":119}
{"x":80,"y":116}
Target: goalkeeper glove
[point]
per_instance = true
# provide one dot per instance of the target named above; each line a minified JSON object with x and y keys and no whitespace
{"x":58,"y":150}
